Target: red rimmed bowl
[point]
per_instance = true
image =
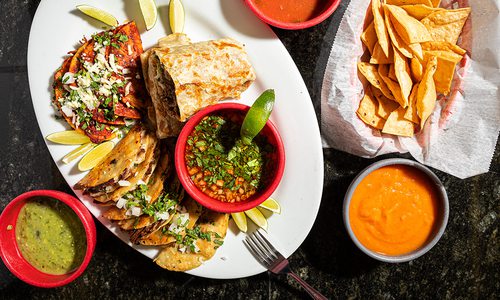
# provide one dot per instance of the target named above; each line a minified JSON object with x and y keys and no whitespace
{"x":270,"y":132}
{"x":11,"y":254}
{"x":323,"y":11}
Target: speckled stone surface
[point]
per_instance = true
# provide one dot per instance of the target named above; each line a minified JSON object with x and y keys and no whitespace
{"x":464,"y":264}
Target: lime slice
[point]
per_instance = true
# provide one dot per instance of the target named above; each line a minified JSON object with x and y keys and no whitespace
{"x":272,"y":205}
{"x":149,"y":12}
{"x":257,"y":116}
{"x":94,"y":157}
{"x":77,"y":152}
{"x":240,"y":220}
{"x":68,"y":137}
{"x":98,"y":14}
{"x":257,"y":217}
{"x":176,"y":16}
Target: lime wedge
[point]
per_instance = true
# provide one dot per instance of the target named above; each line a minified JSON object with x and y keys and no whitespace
{"x":257,"y":217}
{"x":98,"y":14}
{"x":257,"y":116}
{"x":77,"y":152}
{"x":176,"y":16}
{"x":94,"y":157}
{"x":272,"y":205}
{"x":68,"y":137}
{"x":149,"y":12}
{"x":240,"y":220}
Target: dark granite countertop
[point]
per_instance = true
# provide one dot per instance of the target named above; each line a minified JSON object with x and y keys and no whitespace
{"x":464,"y":264}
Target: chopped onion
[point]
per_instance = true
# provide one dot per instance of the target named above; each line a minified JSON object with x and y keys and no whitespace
{"x":184,"y":218}
{"x":127,"y":88}
{"x":68,"y":112}
{"x":68,"y":78}
{"x":121,"y":202}
{"x":112,"y":63}
{"x":196,"y":249}
{"x":173,"y":227}
{"x":124,"y":183}
{"x":162,"y":216}
{"x":136,"y":211}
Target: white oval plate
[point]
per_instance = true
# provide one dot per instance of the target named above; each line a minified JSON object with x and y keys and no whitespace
{"x":58,"y":26}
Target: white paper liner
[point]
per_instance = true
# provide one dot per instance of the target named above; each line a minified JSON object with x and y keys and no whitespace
{"x":460,"y":136}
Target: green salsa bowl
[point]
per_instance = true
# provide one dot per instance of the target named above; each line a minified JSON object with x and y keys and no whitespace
{"x":19,"y":222}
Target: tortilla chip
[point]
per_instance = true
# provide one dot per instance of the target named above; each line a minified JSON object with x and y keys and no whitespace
{"x":436,"y":3}
{"x":411,"y":110}
{"x":395,"y":38}
{"x":416,"y":69}
{"x":409,"y":2}
{"x":370,"y":72}
{"x":426,"y":94}
{"x":419,"y":11}
{"x":369,"y":37}
{"x":410,"y":30}
{"x":378,"y":56}
{"x":380,"y":29}
{"x":402,"y":70}
{"x":392,"y":72}
{"x":416,"y":50}
{"x":393,"y":86}
{"x":444,"y":72}
{"x":396,"y":124}
{"x":452,"y":56}
{"x":446,"y":25}
{"x":367,"y":111}
{"x":443,"y":46}
{"x":385,"y":106}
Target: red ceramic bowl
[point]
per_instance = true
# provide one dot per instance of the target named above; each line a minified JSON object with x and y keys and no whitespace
{"x":328,"y":8}
{"x":269,"y":131}
{"x":11,"y":255}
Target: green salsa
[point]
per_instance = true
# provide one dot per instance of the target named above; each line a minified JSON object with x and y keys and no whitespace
{"x":221,"y":165}
{"x":50,"y":236}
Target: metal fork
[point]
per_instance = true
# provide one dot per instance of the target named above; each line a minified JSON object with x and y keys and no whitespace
{"x":268,"y":256}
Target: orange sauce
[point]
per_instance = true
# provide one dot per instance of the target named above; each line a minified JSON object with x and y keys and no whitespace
{"x":392,"y":211}
{"x":291,"y":11}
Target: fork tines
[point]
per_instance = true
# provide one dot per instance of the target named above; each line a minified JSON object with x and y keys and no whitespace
{"x":262,"y":249}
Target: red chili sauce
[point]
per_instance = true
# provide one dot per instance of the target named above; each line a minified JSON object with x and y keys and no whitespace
{"x":291,"y":11}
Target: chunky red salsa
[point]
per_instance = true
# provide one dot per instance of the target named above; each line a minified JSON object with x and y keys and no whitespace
{"x":221,"y":165}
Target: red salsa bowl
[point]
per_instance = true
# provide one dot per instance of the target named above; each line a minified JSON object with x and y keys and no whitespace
{"x":11,"y":253}
{"x":272,"y":171}
{"x":293,"y":14}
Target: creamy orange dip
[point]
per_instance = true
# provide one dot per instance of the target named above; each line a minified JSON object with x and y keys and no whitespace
{"x":392,"y":211}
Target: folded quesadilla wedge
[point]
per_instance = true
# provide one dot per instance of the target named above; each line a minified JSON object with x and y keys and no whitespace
{"x":204,"y":240}
{"x":119,"y":163}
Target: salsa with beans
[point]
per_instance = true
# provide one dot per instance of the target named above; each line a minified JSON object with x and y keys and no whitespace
{"x":221,"y":165}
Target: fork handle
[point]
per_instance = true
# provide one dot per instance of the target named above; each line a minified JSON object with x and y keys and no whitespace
{"x":314,"y":293}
